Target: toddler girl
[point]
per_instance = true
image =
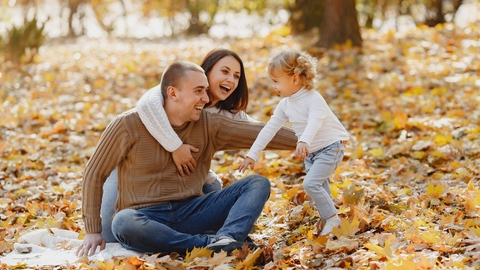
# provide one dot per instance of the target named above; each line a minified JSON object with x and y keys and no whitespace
{"x":320,"y":134}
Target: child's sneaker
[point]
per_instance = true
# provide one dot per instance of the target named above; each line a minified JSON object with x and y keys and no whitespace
{"x":330,"y":223}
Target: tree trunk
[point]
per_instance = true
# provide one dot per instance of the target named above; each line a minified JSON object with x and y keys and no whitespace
{"x":73,"y":8}
{"x":305,"y":15}
{"x":198,"y":26}
{"x":435,"y":13}
{"x":340,"y":24}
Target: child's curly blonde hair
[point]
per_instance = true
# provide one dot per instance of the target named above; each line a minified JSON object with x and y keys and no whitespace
{"x":293,"y":61}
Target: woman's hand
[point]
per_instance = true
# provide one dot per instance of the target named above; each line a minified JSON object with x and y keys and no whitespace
{"x":183,"y":159}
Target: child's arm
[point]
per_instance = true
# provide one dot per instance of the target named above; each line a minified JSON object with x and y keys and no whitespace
{"x":268,"y":131}
{"x":153,"y":116}
{"x":317,"y":112}
{"x":302,"y":150}
{"x":246,"y":162}
{"x":264,"y":137}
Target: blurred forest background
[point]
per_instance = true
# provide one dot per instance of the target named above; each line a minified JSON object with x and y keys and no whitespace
{"x":26,"y":24}
{"x":403,"y":76}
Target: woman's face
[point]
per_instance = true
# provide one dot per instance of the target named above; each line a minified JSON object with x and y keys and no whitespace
{"x":223,"y":79}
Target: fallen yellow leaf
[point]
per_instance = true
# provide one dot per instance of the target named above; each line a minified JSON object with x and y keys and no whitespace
{"x":346,"y":228}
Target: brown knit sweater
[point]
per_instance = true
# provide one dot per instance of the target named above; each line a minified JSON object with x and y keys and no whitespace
{"x":147,"y":175}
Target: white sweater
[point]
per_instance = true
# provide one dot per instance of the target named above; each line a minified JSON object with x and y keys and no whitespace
{"x":153,"y":116}
{"x":312,"y":120}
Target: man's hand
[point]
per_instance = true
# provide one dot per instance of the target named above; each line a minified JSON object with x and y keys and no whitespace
{"x":183,"y":159}
{"x":246,"y":162}
{"x":90,"y":244}
{"x":302,"y":150}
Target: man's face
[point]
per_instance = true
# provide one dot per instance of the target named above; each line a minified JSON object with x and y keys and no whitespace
{"x":192,"y":96}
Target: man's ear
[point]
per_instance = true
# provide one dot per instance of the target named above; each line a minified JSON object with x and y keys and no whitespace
{"x":172,"y":93}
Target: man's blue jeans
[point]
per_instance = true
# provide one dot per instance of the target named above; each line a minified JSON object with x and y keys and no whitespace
{"x":109,"y":197}
{"x":182,"y":225}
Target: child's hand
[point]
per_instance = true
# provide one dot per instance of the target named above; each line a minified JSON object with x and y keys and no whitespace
{"x":183,"y":159}
{"x":302,"y":150}
{"x":248,"y":161}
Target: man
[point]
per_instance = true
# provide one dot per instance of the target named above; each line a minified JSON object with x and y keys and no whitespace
{"x":157,"y":209}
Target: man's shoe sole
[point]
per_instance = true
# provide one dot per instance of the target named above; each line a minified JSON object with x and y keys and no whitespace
{"x":232,"y":246}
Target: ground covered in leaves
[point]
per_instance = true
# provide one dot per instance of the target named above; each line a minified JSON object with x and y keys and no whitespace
{"x":407,"y":191}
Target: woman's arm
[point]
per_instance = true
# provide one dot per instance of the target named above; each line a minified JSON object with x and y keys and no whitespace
{"x":153,"y":116}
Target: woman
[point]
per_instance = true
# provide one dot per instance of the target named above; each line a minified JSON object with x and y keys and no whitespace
{"x":228,"y":95}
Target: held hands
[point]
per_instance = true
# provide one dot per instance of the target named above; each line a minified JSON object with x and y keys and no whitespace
{"x":302,"y":150}
{"x":183,"y":159}
{"x":246,"y":162}
{"x":90,"y":244}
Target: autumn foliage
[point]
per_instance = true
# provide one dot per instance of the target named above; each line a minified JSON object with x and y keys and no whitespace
{"x":407,"y":190}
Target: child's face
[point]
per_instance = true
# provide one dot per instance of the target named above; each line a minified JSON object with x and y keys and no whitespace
{"x":286,"y":85}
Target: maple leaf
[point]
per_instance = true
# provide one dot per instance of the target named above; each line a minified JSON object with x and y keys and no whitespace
{"x":198,"y":252}
{"x":220,"y":258}
{"x":401,"y":264}
{"x":418,"y":154}
{"x":473,"y":233}
{"x":431,"y":237}
{"x":461,"y":173}
{"x":353,"y":194}
{"x":19,"y":265}
{"x":435,"y":191}
{"x":166,"y":261}
{"x":358,"y":153}
{"x":346,"y":228}
{"x":135,"y":261}
{"x":65,"y":245}
{"x":386,"y":251}
{"x":290,"y":193}
{"x":126,"y":265}
{"x":441,"y":140}
{"x":108,"y":265}
{"x":341,"y":243}
{"x":376,"y":152}
{"x":250,"y":260}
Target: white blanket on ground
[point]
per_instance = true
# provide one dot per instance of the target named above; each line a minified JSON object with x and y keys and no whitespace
{"x":52,"y":247}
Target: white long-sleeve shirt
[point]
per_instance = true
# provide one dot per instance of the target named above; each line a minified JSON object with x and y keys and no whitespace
{"x":312,"y":120}
{"x":153,"y":116}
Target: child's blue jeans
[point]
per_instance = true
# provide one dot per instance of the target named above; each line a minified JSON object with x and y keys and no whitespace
{"x":320,"y":165}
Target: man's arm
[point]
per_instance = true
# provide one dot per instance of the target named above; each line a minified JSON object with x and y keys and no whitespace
{"x":90,"y":244}
{"x":110,"y":150}
{"x":233,"y":135}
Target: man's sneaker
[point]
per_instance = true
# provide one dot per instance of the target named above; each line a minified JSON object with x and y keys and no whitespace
{"x":228,"y":244}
